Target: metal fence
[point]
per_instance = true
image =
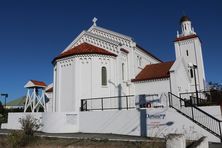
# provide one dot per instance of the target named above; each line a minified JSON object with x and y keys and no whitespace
{"x":204,"y":98}
{"x":200,"y":117}
{"x":108,"y":103}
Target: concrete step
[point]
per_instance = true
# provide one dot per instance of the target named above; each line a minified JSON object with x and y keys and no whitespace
{"x":215,"y":145}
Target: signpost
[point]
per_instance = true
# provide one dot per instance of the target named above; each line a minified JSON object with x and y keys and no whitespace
{"x":6,"y":96}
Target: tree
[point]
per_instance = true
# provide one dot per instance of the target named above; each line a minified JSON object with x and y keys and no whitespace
{"x":1,"y":106}
{"x":216,"y":92}
{"x":215,"y":86}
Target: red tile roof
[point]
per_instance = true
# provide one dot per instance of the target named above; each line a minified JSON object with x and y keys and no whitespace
{"x":154,"y":71}
{"x":39,"y":83}
{"x":84,"y":48}
{"x":147,"y":52}
{"x":186,"y":37}
{"x":49,"y":90}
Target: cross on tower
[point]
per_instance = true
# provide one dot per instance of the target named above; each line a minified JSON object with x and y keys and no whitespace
{"x":94,"y":21}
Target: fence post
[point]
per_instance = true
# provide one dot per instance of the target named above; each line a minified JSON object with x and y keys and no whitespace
{"x":127,"y":105}
{"x":180,"y":101}
{"x":81,"y":108}
{"x":102,"y":103}
{"x":220,"y":131}
{"x":169,"y":99}
{"x":192,"y":112}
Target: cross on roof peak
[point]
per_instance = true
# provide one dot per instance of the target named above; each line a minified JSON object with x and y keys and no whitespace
{"x":94,"y":21}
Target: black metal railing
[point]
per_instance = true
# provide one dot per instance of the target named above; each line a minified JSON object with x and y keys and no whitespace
{"x":191,"y":96}
{"x":108,"y":103}
{"x":200,"y":117}
{"x":204,"y":98}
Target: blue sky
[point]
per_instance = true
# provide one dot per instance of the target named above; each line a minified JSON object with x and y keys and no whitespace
{"x":33,"y":32}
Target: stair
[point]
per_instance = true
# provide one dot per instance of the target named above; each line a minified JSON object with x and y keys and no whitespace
{"x":195,"y":114}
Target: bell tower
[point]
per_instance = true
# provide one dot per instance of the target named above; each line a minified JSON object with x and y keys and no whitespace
{"x":188,"y":46}
{"x":186,"y":27}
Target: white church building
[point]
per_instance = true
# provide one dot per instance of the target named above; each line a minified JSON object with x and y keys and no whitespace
{"x":102,"y":63}
{"x":104,"y":82}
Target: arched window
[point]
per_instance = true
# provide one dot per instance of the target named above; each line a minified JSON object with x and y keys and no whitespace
{"x":104,"y":76}
{"x":140,"y":61}
{"x":191,"y":73}
{"x":123,"y":71}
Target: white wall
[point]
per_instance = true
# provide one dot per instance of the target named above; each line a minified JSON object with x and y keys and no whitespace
{"x":215,"y":111}
{"x":171,"y":121}
{"x":49,"y":104}
{"x":145,"y":60}
{"x":125,"y":122}
{"x":193,"y":46}
{"x":153,"y":122}
{"x":13,"y":119}
{"x":60,"y":122}
{"x":159,"y":123}
{"x":66,"y":101}
{"x":79,"y":78}
{"x":52,"y":122}
{"x":152,"y":87}
{"x":160,"y":87}
{"x":179,"y":77}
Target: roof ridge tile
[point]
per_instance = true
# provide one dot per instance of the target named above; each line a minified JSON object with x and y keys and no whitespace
{"x":84,"y":48}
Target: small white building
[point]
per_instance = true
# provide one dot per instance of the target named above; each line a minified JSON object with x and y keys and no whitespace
{"x":104,"y":82}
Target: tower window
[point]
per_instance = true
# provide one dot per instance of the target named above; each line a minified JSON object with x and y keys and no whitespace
{"x":104,"y":76}
{"x":123,"y":73}
{"x":191,"y":73}
{"x":187,"y":52}
{"x":140,"y":61}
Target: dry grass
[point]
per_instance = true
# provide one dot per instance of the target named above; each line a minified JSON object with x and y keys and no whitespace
{"x":39,"y":142}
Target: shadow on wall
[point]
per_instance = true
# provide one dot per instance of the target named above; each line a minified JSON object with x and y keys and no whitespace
{"x":146,"y":118}
{"x":143,"y":124}
{"x":119,"y":92}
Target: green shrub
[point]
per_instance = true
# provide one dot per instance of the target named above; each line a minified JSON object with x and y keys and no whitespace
{"x":29,"y":125}
{"x":17,"y":139}
{"x":1,"y":118}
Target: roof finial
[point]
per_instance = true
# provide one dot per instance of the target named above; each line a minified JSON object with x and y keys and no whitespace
{"x":184,"y":14}
{"x":94,"y":21}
